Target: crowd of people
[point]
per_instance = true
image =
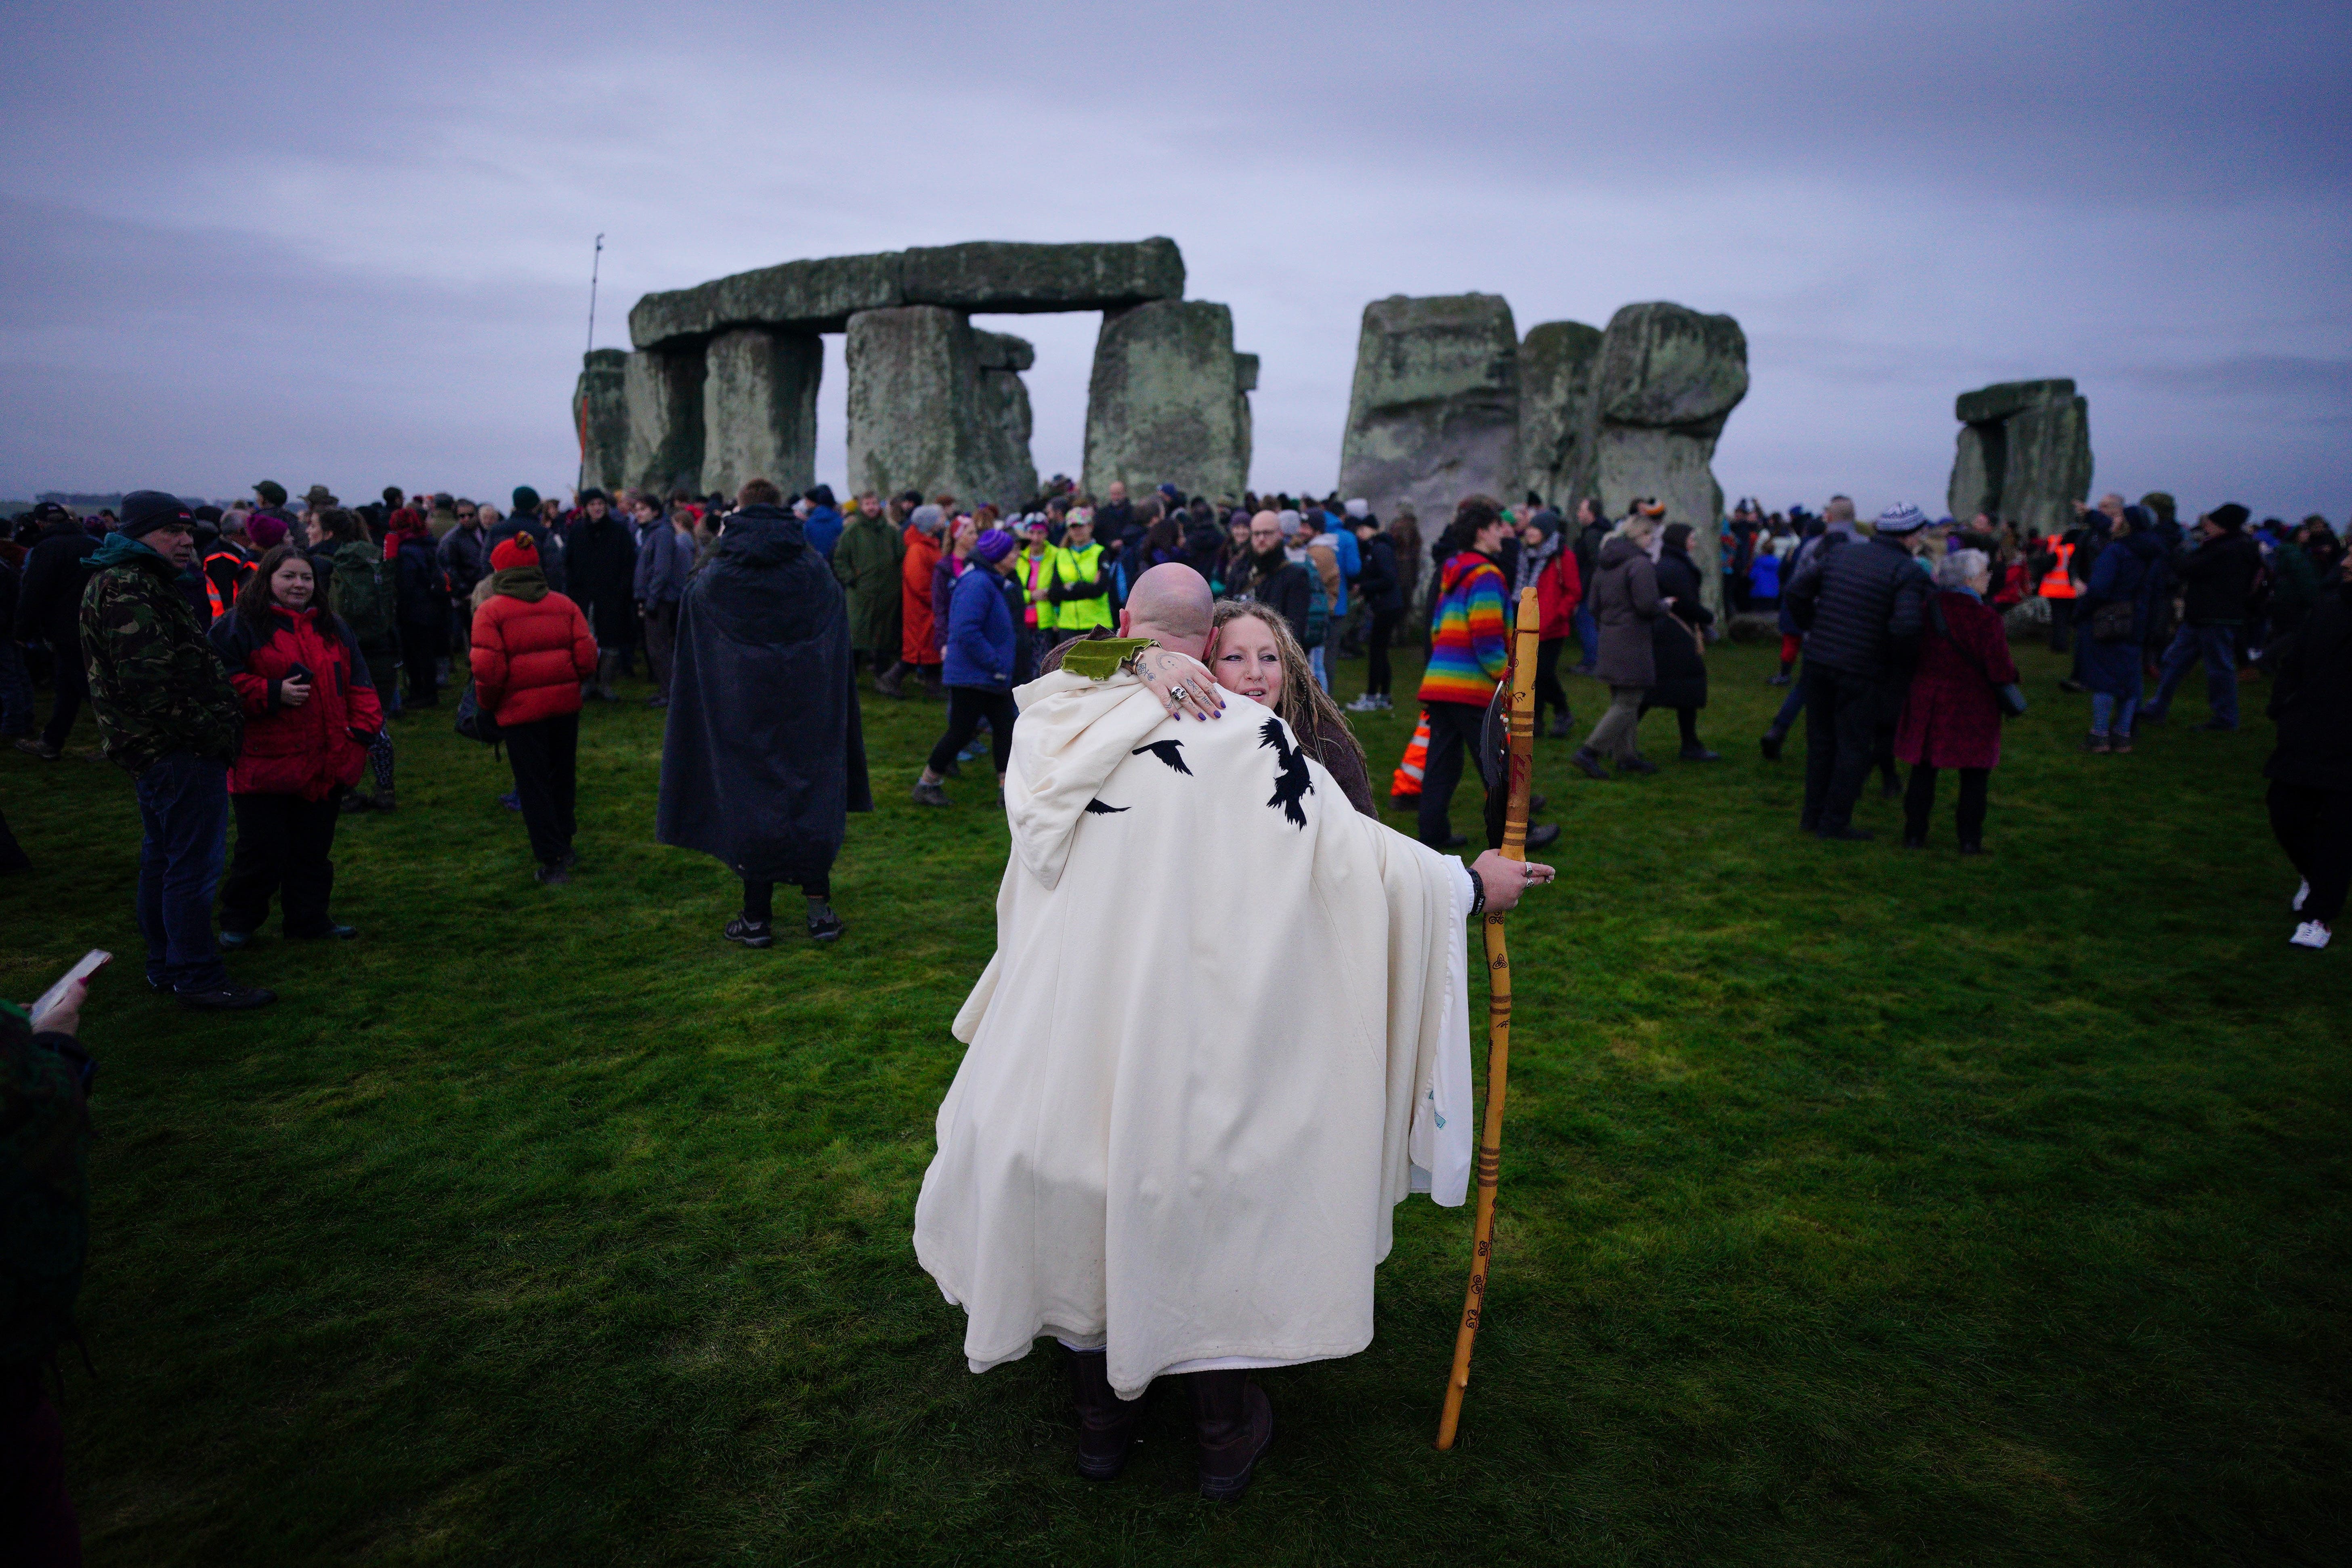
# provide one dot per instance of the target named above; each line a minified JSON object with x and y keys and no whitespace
{"x":247,"y":662}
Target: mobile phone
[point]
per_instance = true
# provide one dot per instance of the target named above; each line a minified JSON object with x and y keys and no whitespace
{"x":96,"y":959}
{"x":297,"y":672}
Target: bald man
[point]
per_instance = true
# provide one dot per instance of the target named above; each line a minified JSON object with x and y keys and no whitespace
{"x":1168,"y":605}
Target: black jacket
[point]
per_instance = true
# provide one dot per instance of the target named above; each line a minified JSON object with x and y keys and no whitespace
{"x":1377,"y":583}
{"x":417,"y":580}
{"x":2311,"y":697}
{"x":602,"y":567}
{"x":466,"y":550}
{"x":2220,"y":573}
{"x":1863,"y":605}
{"x":1282,"y":587}
{"x":48,"y":604}
{"x":1681,"y":679}
{"x":764,"y":754}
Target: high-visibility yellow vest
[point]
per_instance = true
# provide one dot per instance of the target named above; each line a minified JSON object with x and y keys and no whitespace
{"x":1073,"y":566}
{"x":1036,"y":575}
{"x":2059,"y":582}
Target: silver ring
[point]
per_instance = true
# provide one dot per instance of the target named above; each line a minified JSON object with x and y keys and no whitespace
{"x":1176,"y":694}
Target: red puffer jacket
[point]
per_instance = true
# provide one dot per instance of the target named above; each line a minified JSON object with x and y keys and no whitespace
{"x":311,"y":750}
{"x":1559,"y":589}
{"x":530,"y":656}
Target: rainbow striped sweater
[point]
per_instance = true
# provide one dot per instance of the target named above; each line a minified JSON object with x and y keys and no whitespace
{"x":1469,"y":651}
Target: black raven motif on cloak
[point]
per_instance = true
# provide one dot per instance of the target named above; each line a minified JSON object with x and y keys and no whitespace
{"x":1169,"y":752}
{"x":1096,"y":808}
{"x":1291,"y":783}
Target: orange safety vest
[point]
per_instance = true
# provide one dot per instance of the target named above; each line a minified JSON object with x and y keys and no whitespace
{"x":2059,"y":582}
{"x":212,"y":585}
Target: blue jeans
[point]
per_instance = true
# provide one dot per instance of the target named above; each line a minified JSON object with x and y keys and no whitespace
{"x":16,"y":690}
{"x":2218,"y":646}
{"x":2108,"y":711}
{"x":184,"y":806}
{"x":1588,"y":635}
{"x":1794,"y":704}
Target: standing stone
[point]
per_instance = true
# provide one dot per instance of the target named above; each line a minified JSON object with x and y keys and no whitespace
{"x":1167,"y":400}
{"x":758,"y":409}
{"x":1557,"y":361}
{"x":920,"y":416}
{"x":1007,"y":474}
{"x":663,"y":389}
{"x":600,"y":413}
{"x":1434,"y":413}
{"x":2024,"y":454}
{"x":1668,"y":379}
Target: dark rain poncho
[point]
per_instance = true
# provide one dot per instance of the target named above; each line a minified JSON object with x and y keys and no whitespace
{"x":763,"y":755}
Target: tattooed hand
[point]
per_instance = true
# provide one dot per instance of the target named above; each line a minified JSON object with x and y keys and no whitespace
{"x":1163,"y":671}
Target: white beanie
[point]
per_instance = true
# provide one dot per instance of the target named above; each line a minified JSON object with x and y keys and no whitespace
{"x":1360,"y":508}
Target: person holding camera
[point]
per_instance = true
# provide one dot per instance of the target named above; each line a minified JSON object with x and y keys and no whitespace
{"x":311,"y":709}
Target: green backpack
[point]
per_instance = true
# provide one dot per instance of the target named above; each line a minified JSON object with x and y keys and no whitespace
{"x":363,"y":591}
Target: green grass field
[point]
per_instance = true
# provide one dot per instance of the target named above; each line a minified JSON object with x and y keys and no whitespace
{"x":1858,"y":1205}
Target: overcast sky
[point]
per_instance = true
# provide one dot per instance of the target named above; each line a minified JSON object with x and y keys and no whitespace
{"x":351,"y":244}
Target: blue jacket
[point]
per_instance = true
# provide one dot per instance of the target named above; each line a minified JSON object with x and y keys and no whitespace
{"x":664,"y":564}
{"x":822,"y":528}
{"x":980,"y":642}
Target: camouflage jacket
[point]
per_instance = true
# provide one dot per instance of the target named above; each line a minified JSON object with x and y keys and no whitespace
{"x":155,"y":681}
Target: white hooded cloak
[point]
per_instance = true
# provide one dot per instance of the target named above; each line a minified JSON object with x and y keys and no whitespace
{"x":1223,"y":1033}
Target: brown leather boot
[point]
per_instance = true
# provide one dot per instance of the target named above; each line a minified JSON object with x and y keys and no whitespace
{"x":1235,"y":1422}
{"x":1107,"y":1424}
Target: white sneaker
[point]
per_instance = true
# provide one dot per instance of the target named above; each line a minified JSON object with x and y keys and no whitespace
{"x":2312,"y":935}
{"x":2301,"y":893}
{"x":1371,"y":704}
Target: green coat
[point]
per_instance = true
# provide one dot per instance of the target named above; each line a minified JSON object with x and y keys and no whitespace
{"x":156,"y":684}
{"x":867,"y":560}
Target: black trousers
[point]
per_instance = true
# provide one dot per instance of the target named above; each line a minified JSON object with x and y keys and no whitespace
{"x":1453,"y":737}
{"x":967,"y":706}
{"x":71,"y":686}
{"x":420,"y":650}
{"x":1686,"y":721}
{"x":1841,"y":735}
{"x":282,"y":845}
{"x":2315,"y":827}
{"x":1549,"y":690}
{"x":545,"y":756}
{"x":1376,"y":649}
{"x":760,"y":898}
{"x":1919,"y":802}
{"x":2062,"y":624}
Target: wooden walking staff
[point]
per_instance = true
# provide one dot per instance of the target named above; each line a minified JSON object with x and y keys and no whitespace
{"x":1522,"y":733}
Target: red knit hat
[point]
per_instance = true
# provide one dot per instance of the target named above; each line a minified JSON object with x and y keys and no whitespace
{"x":518,"y":551}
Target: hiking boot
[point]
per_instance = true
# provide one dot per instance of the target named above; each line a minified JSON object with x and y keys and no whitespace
{"x":554,"y":874}
{"x":823,"y":925}
{"x":2312,"y":935}
{"x":1586,"y":760}
{"x":1700,"y":754}
{"x":1772,"y":742}
{"x":888,"y":682}
{"x":1849,"y":833}
{"x":41,"y":749}
{"x":2097,"y":743}
{"x":1233,"y":1422}
{"x":751,"y":933}
{"x":228,"y":996}
{"x":1636,"y":765}
{"x":1544,"y":835}
{"x":1108,"y":1425}
{"x":930,"y":794}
